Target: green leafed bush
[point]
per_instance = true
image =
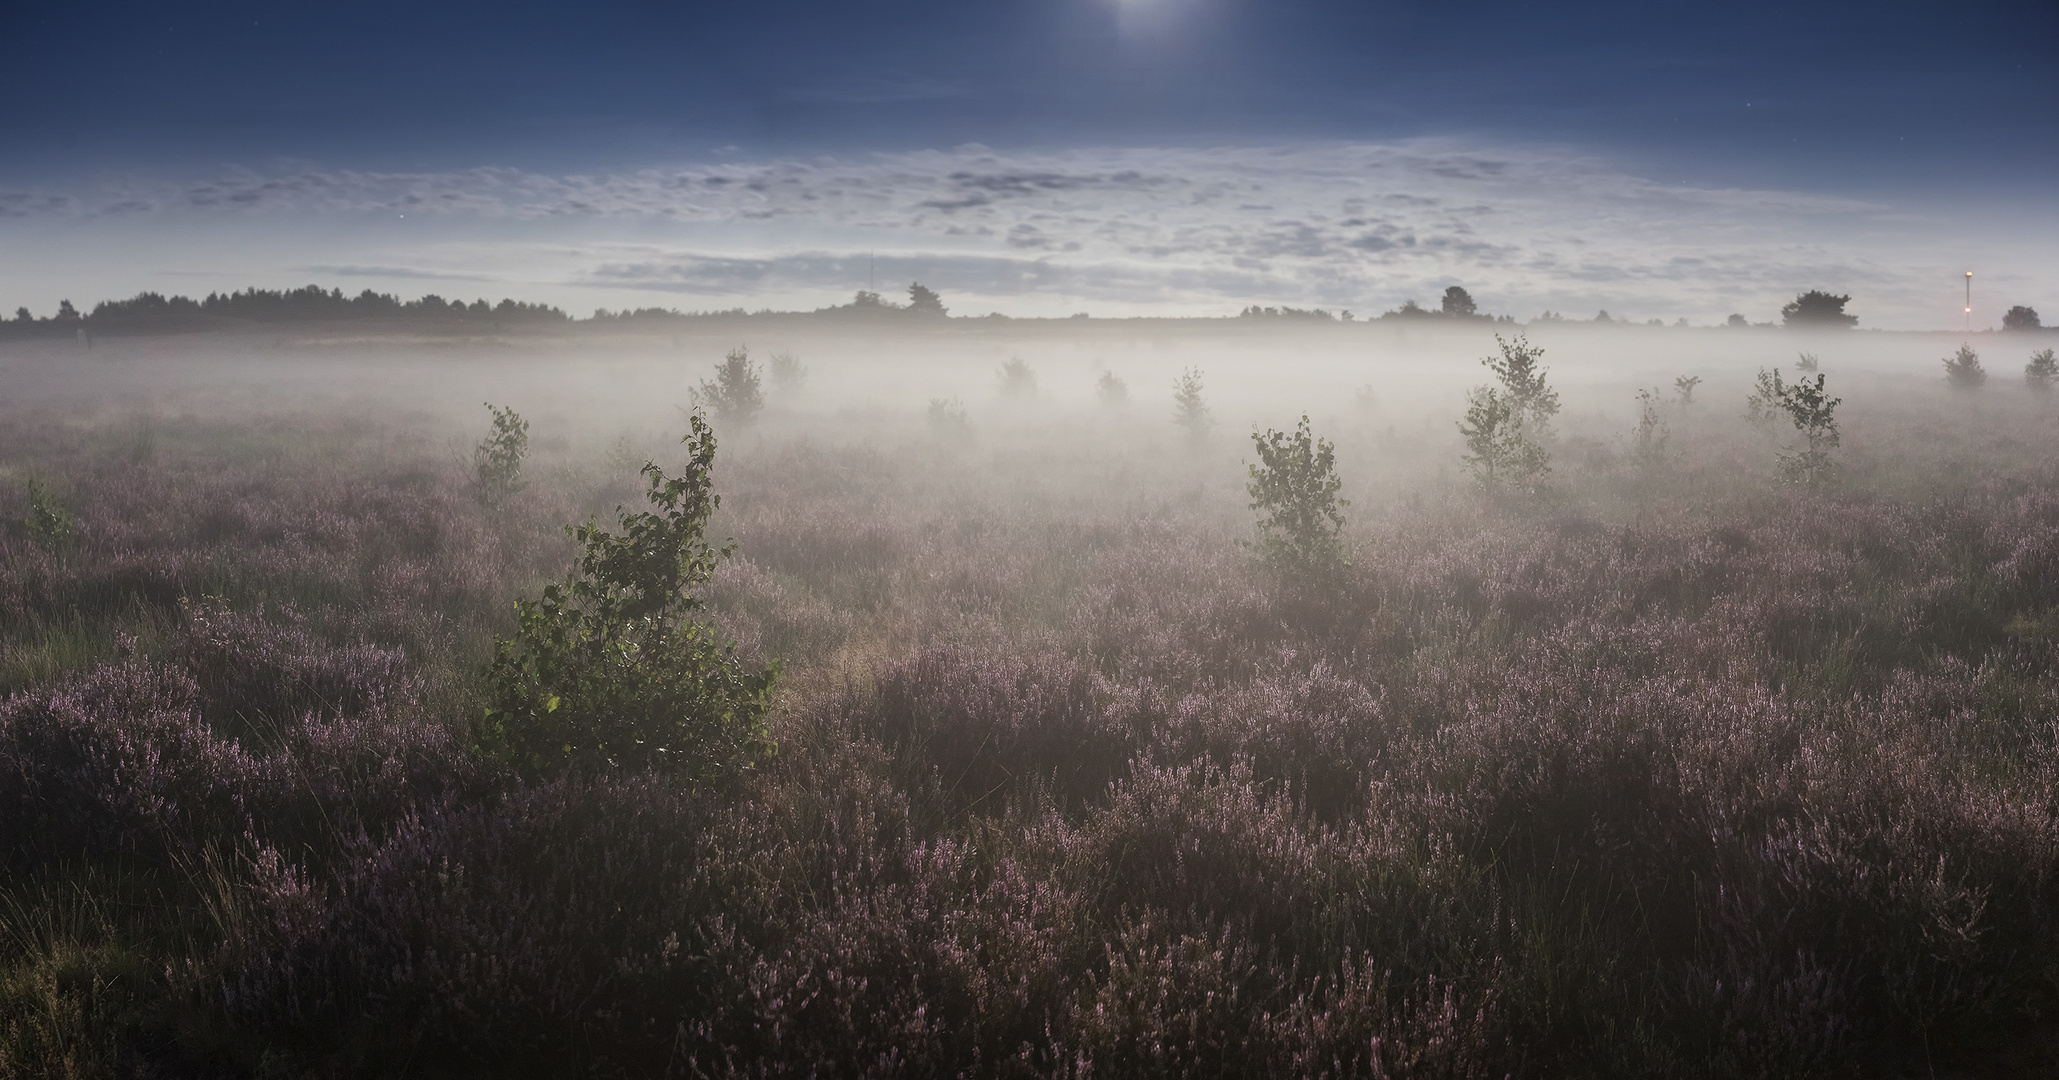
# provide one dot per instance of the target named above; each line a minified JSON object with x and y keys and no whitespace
{"x":1507,"y":426}
{"x":498,"y":457}
{"x":1294,"y":487}
{"x":609,"y":669}
{"x":49,"y":524}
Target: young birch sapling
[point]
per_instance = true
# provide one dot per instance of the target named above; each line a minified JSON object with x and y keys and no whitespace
{"x":498,"y":457}
{"x":610,"y":669}
{"x":736,"y":395}
{"x":1189,"y":410}
{"x":1507,"y":425}
{"x":1811,"y":409}
{"x":2041,"y":370}
{"x":1112,"y":390}
{"x":1294,"y":488}
{"x":1963,"y":370}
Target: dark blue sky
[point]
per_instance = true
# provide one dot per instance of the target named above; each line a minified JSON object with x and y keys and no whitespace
{"x":1665,"y":159}
{"x":1816,"y":95}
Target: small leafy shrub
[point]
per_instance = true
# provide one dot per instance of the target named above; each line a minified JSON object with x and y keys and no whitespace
{"x":789,"y":375}
{"x":1763,"y":406}
{"x":609,"y":669}
{"x":1112,"y":390}
{"x":1807,"y":364}
{"x":2043,"y":367}
{"x":1366,"y":399}
{"x":736,"y":395}
{"x":947,"y":418}
{"x":49,"y":524}
{"x":1189,"y":410}
{"x":1683,"y":388}
{"x":1811,"y":410}
{"x":498,"y":457}
{"x":1017,"y":381}
{"x":1294,"y":488}
{"x":1963,"y":370}
{"x":1506,"y":426}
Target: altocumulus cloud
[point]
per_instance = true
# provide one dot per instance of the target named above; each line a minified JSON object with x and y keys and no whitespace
{"x":1129,"y":229}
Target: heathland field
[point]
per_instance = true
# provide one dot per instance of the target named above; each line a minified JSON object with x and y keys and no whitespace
{"x":1685,"y":755}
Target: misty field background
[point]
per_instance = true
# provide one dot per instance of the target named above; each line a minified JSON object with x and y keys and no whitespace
{"x":1669,"y":768}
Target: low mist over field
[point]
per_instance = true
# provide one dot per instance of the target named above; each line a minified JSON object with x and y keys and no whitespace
{"x":1071,"y":538}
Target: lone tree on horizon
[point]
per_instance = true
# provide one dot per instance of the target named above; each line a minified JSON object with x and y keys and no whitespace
{"x":924,"y":301}
{"x":1458,"y":303}
{"x":1818,"y":309}
{"x":2021,"y":318}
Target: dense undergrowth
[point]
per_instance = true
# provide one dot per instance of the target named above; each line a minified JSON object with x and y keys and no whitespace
{"x":1642,"y":776}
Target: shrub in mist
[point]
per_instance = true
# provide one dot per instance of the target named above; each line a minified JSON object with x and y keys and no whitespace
{"x":1507,"y":425}
{"x":1366,"y":399}
{"x":2040,"y":371}
{"x":947,"y":418}
{"x":1189,"y":410}
{"x":1806,"y":363}
{"x":1683,"y":388}
{"x":50,"y":526}
{"x":789,"y":375}
{"x":1963,"y":370}
{"x":736,"y":394}
{"x":498,"y":458}
{"x":1294,"y":488}
{"x":1111,"y":389}
{"x":1648,"y":439}
{"x":1762,"y":406}
{"x":1812,"y":411}
{"x":1016,"y":381}
{"x":610,"y":668}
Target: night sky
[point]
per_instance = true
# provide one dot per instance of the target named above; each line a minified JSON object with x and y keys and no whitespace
{"x":1657,"y":159}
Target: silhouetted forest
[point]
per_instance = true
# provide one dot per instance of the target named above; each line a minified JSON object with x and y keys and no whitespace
{"x":150,"y":312}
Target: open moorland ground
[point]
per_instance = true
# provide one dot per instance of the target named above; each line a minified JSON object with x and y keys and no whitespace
{"x":1666,"y":767}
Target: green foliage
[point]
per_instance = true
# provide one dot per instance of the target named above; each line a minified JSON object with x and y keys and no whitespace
{"x":1963,"y":370}
{"x":609,"y":670}
{"x":736,"y":394}
{"x":1763,"y":406}
{"x":1189,"y":410}
{"x":1811,"y":409}
{"x":1112,"y":390}
{"x":498,"y":457}
{"x":1818,"y":309}
{"x":50,"y":525}
{"x":2043,"y":367}
{"x":1506,"y":427}
{"x":1294,"y":487}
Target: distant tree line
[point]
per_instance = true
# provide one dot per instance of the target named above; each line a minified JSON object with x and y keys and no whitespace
{"x":150,"y":312}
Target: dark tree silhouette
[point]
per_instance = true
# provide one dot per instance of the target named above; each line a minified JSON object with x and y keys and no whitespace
{"x":924,"y":301}
{"x":1458,"y":303}
{"x":2021,"y":318}
{"x":1818,"y":309}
